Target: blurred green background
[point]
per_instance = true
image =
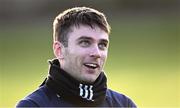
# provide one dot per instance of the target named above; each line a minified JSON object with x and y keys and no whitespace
{"x":143,"y":60}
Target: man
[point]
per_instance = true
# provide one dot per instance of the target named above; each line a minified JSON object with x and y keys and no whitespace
{"x":76,"y":77}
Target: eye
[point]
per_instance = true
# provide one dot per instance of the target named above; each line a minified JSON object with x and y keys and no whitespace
{"x":84,"y":43}
{"x":102,"y":46}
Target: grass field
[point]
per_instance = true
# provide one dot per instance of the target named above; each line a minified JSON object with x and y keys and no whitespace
{"x":143,"y":60}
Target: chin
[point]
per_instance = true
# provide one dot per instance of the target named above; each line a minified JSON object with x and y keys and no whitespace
{"x":90,"y":80}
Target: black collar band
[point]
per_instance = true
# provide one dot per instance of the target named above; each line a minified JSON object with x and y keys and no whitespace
{"x":68,"y":88}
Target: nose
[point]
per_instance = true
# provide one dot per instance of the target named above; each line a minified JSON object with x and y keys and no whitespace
{"x":95,"y":52}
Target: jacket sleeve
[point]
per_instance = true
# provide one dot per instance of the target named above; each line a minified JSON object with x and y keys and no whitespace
{"x":26,"y":103}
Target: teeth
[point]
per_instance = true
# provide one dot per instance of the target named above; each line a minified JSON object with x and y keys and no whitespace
{"x":93,"y":65}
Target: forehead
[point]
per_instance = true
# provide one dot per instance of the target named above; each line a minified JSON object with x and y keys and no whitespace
{"x":86,"y":31}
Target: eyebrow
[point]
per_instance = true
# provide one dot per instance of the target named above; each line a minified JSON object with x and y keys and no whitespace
{"x":89,"y":38}
{"x":84,"y":38}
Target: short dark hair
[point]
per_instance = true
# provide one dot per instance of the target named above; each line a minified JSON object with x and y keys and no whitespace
{"x":74,"y":17}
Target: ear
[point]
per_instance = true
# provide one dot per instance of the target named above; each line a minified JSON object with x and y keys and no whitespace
{"x":57,"y":48}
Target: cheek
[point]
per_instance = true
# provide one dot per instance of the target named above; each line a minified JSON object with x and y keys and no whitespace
{"x":103,"y":57}
{"x":72,"y":62}
{"x":77,"y":59}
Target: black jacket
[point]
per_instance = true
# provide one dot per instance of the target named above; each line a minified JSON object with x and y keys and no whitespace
{"x":44,"y":97}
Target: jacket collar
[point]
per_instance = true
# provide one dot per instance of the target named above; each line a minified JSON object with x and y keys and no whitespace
{"x":68,"y":88}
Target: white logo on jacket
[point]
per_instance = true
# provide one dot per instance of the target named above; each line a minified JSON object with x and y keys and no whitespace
{"x":86,"y":92}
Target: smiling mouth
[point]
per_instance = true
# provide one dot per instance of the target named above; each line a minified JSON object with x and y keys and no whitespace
{"x":91,"y":65}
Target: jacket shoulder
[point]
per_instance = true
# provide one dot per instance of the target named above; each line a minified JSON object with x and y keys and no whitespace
{"x":35,"y":99}
{"x":119,"y":100}
{"x":26,"y":103}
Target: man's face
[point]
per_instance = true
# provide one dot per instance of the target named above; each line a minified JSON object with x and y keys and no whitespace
{"x":86,"y":53}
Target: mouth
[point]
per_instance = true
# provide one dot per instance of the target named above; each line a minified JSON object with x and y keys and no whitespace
{"x":91,"y":65}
